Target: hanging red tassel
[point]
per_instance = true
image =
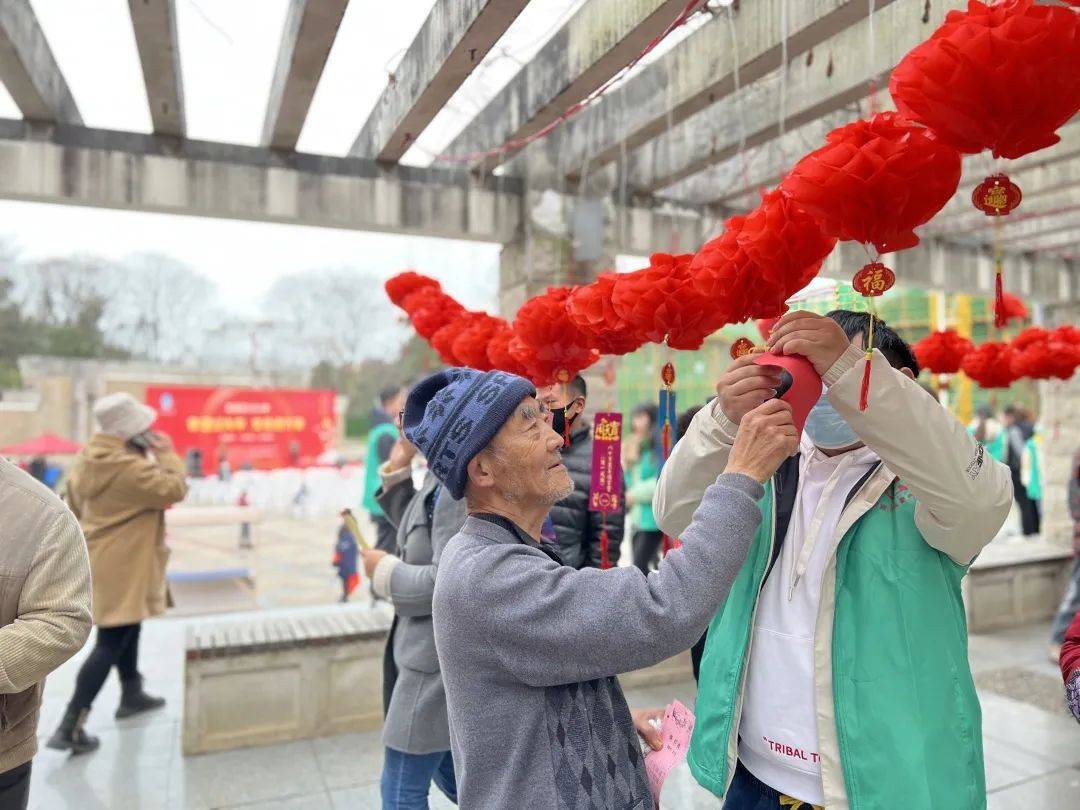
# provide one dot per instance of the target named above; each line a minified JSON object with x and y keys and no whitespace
{"x":999,"y":300}
{"x":666,"y":547}
{"x":864,"y":391}
{"x":605,"y":560}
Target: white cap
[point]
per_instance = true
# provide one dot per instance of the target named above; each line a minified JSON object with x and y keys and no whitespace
{"x":122,"y":415}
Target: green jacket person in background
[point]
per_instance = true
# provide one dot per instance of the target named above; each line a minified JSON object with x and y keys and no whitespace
{"x":641,"y":465}
{"x":836,"y":673}
{"x":380,"y":442}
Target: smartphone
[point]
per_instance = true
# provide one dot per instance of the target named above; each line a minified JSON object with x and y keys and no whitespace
{"x":143,"y":441}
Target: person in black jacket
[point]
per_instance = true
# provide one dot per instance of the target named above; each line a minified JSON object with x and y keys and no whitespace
{"x":577,"y":530}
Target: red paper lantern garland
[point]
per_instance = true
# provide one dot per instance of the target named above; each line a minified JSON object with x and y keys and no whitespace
{"x":591,"y":310}
{"x":551,"y":347}
{"x":1001,"y":77}
{"x":399,"y":287}
{"x":990,"y":365}
{"x":942,"y":352}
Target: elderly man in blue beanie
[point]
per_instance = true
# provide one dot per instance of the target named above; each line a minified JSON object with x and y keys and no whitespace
{"x":530,"y":648}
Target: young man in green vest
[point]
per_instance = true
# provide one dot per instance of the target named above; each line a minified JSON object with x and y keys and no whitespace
{"x":836,"y":673}
{"x":380,"y":442}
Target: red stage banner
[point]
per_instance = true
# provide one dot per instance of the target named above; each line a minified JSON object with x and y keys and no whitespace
{"x":606,"y":488}
{"x":262,"y":427}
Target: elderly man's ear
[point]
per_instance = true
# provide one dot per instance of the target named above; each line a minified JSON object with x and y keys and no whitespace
{"x":481,"y":470}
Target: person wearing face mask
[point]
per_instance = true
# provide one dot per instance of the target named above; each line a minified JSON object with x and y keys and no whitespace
{"x":577,"y":531}
{"x":836,"y":674}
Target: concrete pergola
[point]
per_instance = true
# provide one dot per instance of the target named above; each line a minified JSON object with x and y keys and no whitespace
{"x":656,"y":163}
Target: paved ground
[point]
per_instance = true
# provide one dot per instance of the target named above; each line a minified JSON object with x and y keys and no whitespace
{"x":1032,"y":745}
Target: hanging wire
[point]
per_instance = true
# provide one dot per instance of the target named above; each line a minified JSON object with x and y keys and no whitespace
{"x":782,"y":122}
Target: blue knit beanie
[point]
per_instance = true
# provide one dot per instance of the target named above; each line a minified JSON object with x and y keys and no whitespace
{"x":453,"y":414}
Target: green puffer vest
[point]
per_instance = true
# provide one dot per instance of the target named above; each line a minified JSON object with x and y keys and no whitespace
{"x":372,"y":482}
{"x":907,"y":724}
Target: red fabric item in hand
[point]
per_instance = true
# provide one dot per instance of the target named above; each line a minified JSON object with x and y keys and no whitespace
{"x":1001,"y":77}
{"x":875,"y":180}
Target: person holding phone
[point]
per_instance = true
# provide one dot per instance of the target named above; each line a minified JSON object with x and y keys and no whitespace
{"x":123,"y":481}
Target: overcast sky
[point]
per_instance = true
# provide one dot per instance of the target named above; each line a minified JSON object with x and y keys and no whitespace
{"x":228,"y":49}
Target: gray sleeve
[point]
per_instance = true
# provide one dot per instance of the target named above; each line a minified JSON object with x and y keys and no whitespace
{"x":412,"y":586}
{"x":549,"y":624}
{"x":395,"y":500}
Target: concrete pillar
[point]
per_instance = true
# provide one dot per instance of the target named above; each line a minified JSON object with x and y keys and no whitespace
{"x":541,"y":257}
{"x":1060,"y":420}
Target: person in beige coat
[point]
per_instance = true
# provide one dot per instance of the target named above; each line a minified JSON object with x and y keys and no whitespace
{"x":121,"y":485}
{"x":44,"y":615}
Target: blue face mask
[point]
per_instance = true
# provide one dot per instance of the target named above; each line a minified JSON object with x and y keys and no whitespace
{"x":827,"y":429}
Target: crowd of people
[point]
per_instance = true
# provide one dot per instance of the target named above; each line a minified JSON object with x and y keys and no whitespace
{"x":813,"y":570}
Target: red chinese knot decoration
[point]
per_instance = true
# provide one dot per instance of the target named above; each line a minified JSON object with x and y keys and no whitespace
{"x":873,"y":280}
{"x":997,"y":196}
{"x":741,"y":347}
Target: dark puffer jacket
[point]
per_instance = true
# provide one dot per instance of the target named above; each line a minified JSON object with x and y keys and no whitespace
{"x":576,"y":528}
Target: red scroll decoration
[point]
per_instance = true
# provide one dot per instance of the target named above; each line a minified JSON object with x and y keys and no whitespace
{"x":606,"y":485}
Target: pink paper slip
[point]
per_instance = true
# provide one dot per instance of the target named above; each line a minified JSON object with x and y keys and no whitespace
{"x":675,"y":731}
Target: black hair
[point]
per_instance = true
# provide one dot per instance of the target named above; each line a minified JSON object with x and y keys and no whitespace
{"x":682,"y":424}
{"x":577,"y":387}
{"x":886,"y":340}
{"x":388,"y":393}
{"x":648,"y":409}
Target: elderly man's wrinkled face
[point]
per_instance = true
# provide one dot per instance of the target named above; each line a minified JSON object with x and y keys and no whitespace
{"x":526,"y":457}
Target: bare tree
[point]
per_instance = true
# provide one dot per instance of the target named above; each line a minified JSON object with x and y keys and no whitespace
{"x":336,"y":315}
{"x":158,"y":310}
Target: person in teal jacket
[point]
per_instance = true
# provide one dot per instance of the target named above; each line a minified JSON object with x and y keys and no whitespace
{"x":641,"y":463}
{"x":836,"y":673}
{"x":380,"y":442}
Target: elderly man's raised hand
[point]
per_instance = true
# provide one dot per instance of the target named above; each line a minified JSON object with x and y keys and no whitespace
{"x":766,"y":437}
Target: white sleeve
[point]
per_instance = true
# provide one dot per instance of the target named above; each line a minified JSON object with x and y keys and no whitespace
{"x":963,"y":496}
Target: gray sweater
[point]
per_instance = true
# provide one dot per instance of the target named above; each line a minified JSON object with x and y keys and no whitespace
{"x":529,"y":649}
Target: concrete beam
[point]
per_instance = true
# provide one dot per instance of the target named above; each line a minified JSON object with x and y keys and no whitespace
{"x":28,"y":68}
{"x":132,"y":171}
{"x":971,"y":221}
{"x":844,"y":69}
{"x":453,"y":40}
{"x":597,"y":42}
{"x":310,"y":29}
{"x":941,"y":265}
{"x":736,"y":181}
{"x":154,"y":22}
{"x":697,"y":73}
{"x":1029,"y":233}
{"x":1052,"y":242}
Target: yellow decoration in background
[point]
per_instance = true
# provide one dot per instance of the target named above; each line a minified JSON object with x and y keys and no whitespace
{"x":962,"y":308}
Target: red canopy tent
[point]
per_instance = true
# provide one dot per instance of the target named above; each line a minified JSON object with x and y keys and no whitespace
{"x":47,"y":444}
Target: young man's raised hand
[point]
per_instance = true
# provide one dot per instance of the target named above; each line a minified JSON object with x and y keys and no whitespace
{"x":818,"y":338}
{"x":745,"y":385}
